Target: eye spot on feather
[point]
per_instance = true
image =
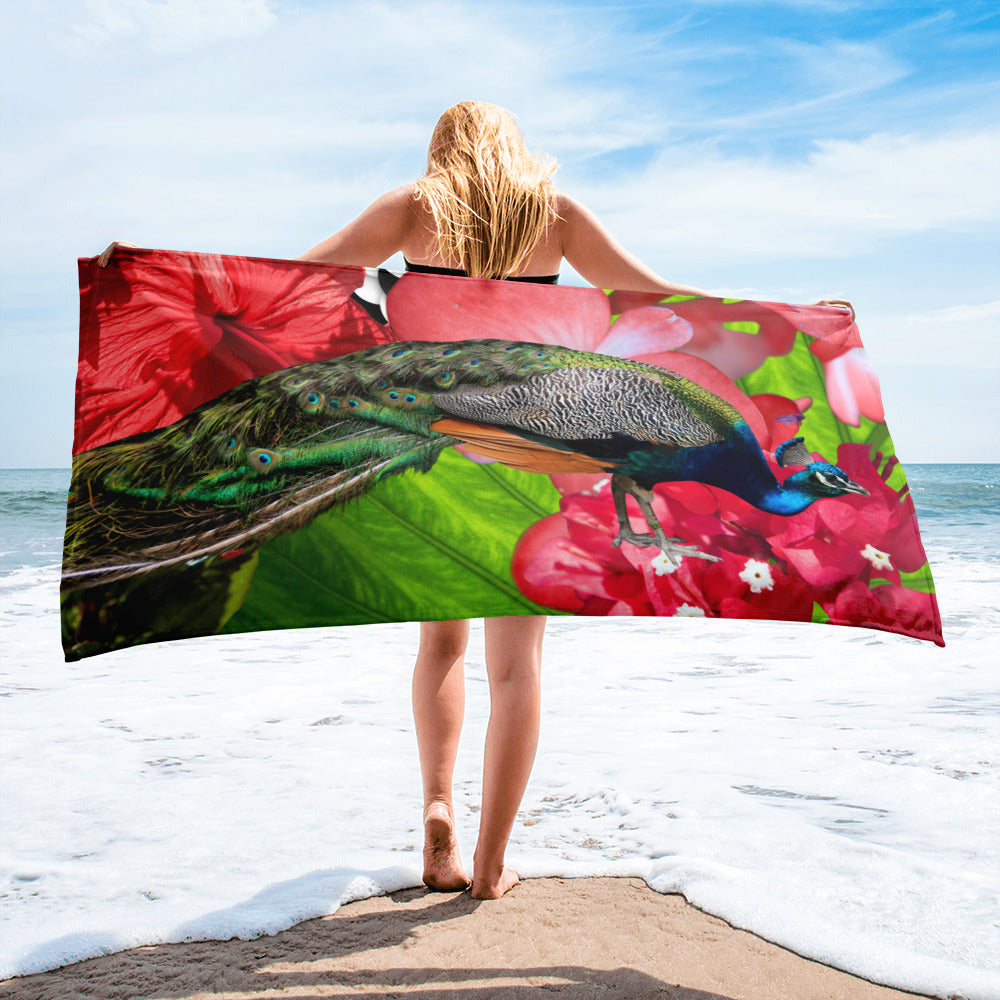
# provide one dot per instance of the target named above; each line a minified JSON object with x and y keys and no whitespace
{"x":511,"y":347}
{"x":263,"y":460}
{"x":399,"y":352}
{"x":311,"y":401}
{"x":293,"y":382}
{"x":444,"y":379}
{"x":449,"y":351}
{"x":228,"y":447}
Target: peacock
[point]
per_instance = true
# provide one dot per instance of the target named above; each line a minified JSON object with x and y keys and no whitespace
{"x":272,"y":453}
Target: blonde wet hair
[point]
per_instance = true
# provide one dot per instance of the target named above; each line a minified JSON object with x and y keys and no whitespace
{"x":490,"y":198}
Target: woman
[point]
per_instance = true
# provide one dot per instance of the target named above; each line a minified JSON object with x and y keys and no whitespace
{"x":485,"y":208}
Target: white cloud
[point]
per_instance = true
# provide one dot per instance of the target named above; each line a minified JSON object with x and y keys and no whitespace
{"x":259,"y":127}
{"x":845,"y":198}
{"x":164,"y":25}
{"x":960,"y":334}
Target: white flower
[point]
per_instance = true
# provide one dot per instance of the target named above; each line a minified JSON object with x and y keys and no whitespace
{"x":663,"y":564}
{"x":686,"y":611}
{"x":880,"y":560}
{"x":758,"y":575}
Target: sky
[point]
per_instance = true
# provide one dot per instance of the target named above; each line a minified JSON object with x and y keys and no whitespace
{"x":781,"y":150}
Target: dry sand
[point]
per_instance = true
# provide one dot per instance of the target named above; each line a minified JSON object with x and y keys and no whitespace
{"x":571,"y":938}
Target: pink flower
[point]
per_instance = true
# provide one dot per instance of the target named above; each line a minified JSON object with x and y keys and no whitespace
{"x":833,"y":553}
{"x":161,"y":332}
{"x":738,"y":336}
{"x":888,"y":606}
{"x":851,"y":384}
{"x":568,"y":562}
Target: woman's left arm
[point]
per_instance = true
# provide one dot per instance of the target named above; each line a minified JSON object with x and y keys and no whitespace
{"x":374,"y":236}
{"x":837,"y":302}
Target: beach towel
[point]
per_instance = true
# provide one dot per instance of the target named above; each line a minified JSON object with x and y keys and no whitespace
{"x":265,"y":444}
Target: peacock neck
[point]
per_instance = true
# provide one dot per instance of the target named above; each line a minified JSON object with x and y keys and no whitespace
{"x":786,"y":502}
{"x":750,"y":477}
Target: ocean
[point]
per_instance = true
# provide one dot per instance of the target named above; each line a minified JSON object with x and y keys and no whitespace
{"x":834,"y":790}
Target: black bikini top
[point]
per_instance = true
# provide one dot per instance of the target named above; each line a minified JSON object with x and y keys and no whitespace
{"x":538,"y":279}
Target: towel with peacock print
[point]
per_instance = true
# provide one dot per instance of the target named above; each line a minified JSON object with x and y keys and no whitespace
{"x":266,"y":444}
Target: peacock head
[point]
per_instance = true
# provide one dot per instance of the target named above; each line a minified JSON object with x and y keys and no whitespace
{"x":817,"y":479}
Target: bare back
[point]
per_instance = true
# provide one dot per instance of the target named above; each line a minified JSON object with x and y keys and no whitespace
{"x":399,"y":222}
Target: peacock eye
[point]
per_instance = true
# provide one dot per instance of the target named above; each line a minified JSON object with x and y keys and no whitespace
{"x":312,"y":398}
{"x":449,"y":351}
{"x":334,"y":404}
{"x":511,"y":347}
{"x":539,"y":354}
{"x":230,"y":443}
{"x":474,"y":361}
{"x":394,"y":394}
{"x":444,"y":378}
{"x":410,"y":398}
{"x":381,"y":384}
{"x":399,"y":352}
{"x":353,"y":403}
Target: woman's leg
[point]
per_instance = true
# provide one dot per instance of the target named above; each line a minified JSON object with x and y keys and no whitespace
{"x":438,"y":708}
{"x":513,"y":662}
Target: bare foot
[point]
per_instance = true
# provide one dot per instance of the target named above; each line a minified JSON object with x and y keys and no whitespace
{"x":494,"y":888}
{"x":443,"y":870}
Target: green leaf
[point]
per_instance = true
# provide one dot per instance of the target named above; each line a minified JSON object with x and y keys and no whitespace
{"x":419,"y":547}
{"x":819,"y":616}
{"x":742,"y":326}
{"x":920,"y":580}
{"x":800,"y":373}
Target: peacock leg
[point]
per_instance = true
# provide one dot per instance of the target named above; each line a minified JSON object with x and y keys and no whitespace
{"x":673,"y":548}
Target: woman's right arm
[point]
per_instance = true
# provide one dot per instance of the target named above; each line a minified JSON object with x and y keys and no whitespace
{"x":598,"y":258}
{"x":374,"y":236}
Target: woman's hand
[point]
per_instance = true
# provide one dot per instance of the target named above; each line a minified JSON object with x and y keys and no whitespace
{"x":836,"y":302}
{"x":109,"y":250}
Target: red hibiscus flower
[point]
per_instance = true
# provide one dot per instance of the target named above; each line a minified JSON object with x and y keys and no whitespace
{"x":161,"y":332}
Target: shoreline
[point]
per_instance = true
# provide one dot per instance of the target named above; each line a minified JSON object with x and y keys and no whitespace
{"x":575,"y":937}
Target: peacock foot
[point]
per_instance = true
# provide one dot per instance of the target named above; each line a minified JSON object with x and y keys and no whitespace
{"x":626,"y":534}
{"x":673,"y":548}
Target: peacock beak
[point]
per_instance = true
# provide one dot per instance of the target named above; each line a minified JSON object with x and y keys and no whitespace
{"x":849,"y":486}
